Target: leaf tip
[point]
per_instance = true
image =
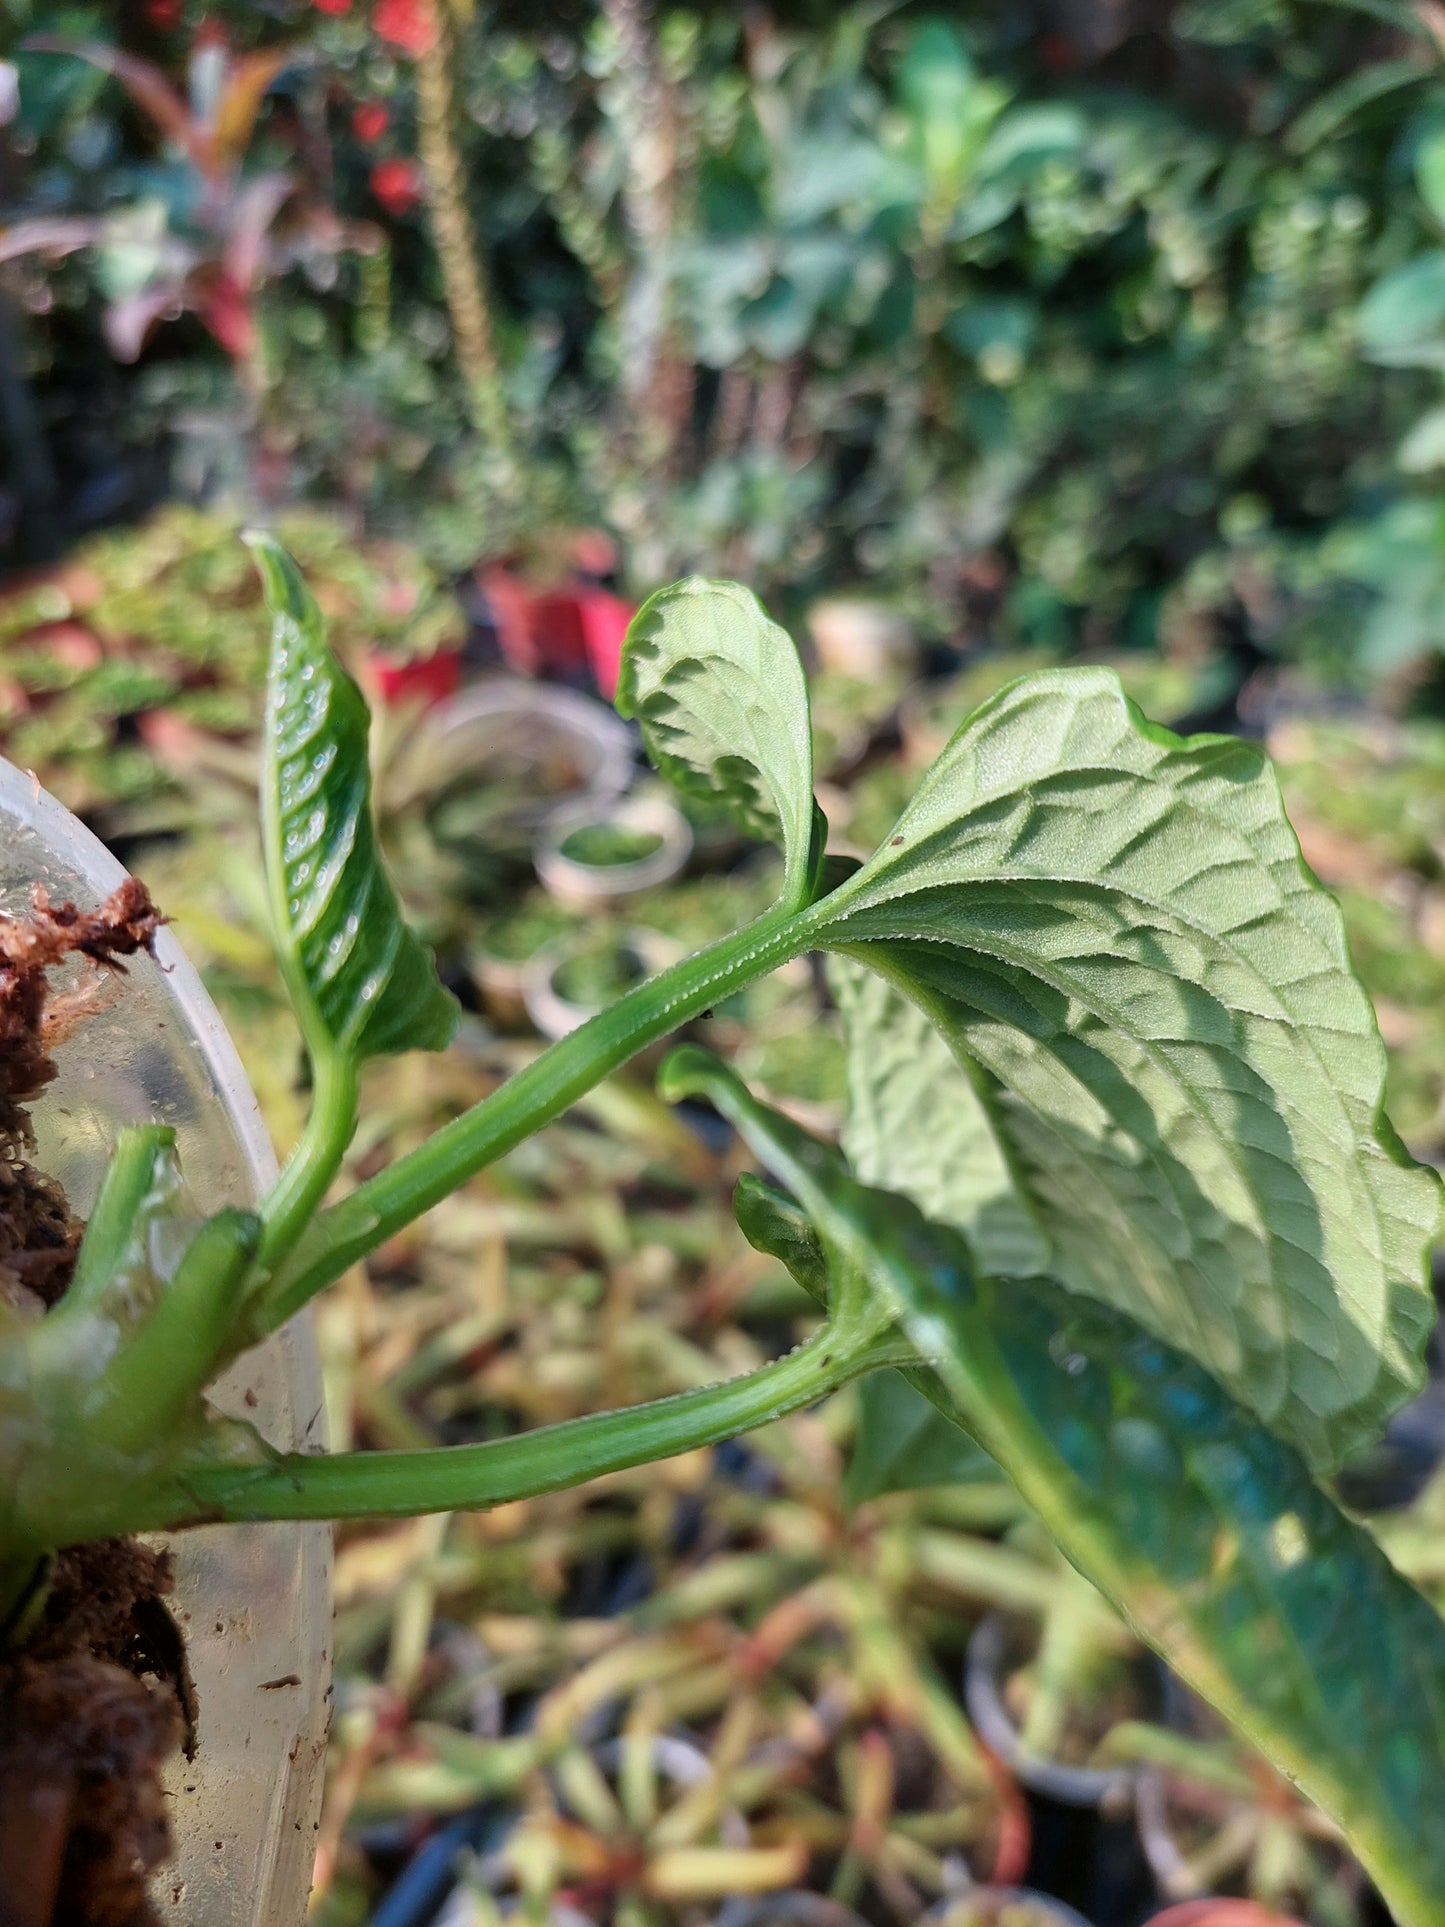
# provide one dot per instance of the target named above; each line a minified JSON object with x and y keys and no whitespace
{"x":284,"y":584}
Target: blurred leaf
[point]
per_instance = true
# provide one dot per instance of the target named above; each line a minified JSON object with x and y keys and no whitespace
{"x":248,"y":80}
{"x":1404,"y":307}
{"x":1026,"y":136}
{"x":1430,"y":173}
{"x":1330,"y":113}
{"x":148,"y":87}
{"x":1424,"y":447}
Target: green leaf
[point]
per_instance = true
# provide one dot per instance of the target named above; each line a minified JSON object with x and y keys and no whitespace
{"x":1207,"y":1533}
{"x":1424,"y":446}
{"x":1404,"y":308}
{"x":1116,"y":928}
{"x":918,"y":1123}
{"x":773,"y":1224}
{"x":1358,"y":90}
{"x":361,"y":981}
{"x":1430,"y":172}
{"x":719,"y":693}
{"x":905,"y":1444}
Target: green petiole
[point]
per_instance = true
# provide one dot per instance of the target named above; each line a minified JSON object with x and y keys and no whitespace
{"x":373,"y":1485}
{"x":140,"y":1167}
{"x":565,"y":1072}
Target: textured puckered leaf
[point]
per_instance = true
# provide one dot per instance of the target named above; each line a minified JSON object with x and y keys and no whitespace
{"x":1207,"y":1532}
{"x":919,"y":1124}
{"x":1117,"y":927}
{"x":361,"y":980}
{"x":719,"y":693}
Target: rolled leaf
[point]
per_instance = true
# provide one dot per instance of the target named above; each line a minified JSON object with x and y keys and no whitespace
{"x":1208,"y":1533}
{"x":718,"y":691}
{"x":1115,"y":927}
{"x":774,"y":1224}
{"x":361,"y":981}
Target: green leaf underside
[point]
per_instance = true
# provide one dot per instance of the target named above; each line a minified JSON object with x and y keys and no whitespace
{"x":1116,"y":926}
{"x":903,"y":1443}
{"x":917,"y":1124}
{"x":356,"y":972}
{"x":1208,"y":1533}
{"x":718,"y":691}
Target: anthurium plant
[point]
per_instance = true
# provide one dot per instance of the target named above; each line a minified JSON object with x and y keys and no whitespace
{"x":1116,"y":1189}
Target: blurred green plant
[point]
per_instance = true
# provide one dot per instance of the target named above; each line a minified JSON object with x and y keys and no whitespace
{"x":143,"y":660}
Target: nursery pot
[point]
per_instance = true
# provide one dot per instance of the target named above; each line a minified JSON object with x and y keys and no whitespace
{"x":584,"y":875}
{"x":1002,"y":1907}
{"x":983,"y":1692}
{"x":488,"y":766}
{"x":555,"y":1008}
{"x":252,"y":1602}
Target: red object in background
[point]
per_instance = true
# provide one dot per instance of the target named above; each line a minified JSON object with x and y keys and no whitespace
{"x":408,"y":24}
{"x":1015,"y":1842}
{"x":557,"y":632}
{"x":427,"y":680}
{"x":1218,"y":1912}
{"x":225,"y":311}
{"x":332,"y":6}
{"x":397,"y":185}
{"x":370,"y":121}
{"x":604,"y":624}
{"x":71,"y":643}
{"x":163,"y":15}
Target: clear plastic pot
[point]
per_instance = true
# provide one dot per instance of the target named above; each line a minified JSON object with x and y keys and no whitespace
{"x":254,"y":1602}
{"x":582,"y":885}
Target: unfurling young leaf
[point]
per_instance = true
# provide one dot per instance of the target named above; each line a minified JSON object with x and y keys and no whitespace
{"x":359,"y":979}
{"x":1153,"y":1023}
{"x":718,"y":691}
{"x":1207,"y":1532}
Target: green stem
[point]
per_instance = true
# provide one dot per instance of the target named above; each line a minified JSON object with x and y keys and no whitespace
{"x":382,"y":1206}
{"x":293,"y":1199}
{"x":139,"y":1163}
{"x":378,"y":1485}
{"x":166,"y":1362}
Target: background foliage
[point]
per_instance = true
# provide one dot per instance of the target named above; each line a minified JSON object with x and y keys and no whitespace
{"x":1080,"y":325}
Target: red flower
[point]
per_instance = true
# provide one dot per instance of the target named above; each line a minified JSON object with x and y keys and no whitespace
{"x":408,"y":24}
{"x":370,"y":121}
{"x":332,"y":6}
{"x":164,"y":15}
{"x":397,"y":185}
